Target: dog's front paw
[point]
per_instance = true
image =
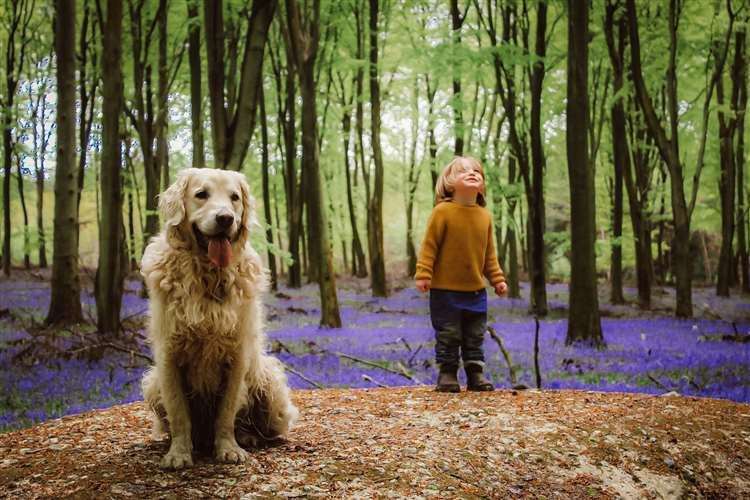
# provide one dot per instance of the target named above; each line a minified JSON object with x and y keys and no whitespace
{"x":228,"y":451}
{"x":176,"y":459}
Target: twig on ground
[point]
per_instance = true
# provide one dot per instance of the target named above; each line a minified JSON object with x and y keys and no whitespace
{"x":403,"y":340}
{"x":658,"y":384}
{"x":506,"y":354}
{"x":413,"y":355}
{"x":302,"y":376}
{"x":403,"y":372}
{"x":368,"y":378}
{"x":536,"y":355}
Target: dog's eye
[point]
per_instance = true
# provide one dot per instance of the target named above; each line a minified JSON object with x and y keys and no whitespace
{"x":235,"y":197}
{"x":202,"y":195}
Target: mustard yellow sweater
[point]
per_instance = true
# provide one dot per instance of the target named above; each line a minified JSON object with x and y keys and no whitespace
{"x":458,"y":249}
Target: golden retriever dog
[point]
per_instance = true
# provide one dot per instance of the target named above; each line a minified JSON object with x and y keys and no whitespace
{"x":212,"y":387}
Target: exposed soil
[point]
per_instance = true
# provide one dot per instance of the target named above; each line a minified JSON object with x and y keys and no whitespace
{"x":412,"y":442}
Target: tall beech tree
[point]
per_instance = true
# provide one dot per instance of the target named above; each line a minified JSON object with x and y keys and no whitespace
{"x":615,"y":30}
{"x":110,"y":273}
{"x":668,"y":146}
{"x":584,"y":324}
{"x":531,"y":167}
{"x":233,"y":104}
{"x":65,"y":288}
{"x":739,"y":76}
{"x":304,"y":35}
{"x":359,"y":265}
{"x":286,"y":96}
{"x":18,"y":16}
{"x":196,"y":94}
{"x":375,"y":200}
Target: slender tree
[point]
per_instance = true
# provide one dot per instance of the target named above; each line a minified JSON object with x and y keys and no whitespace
{"x":669,"y":150}
{"x":17,"y":20}
{"x":614,"y":21}
{"x":88,"y":85}
{"x":265,"y":166}
{"x":65,"y":288}
{"x":305,"y":51}
{"x":375,"y":201}
{"x":739,"y":76}
{"x":584,"y":324}
{"x":457,"y":21}
{"x":196,"y":97}
{"x":233,"y":105}
{"x":112,"y":262}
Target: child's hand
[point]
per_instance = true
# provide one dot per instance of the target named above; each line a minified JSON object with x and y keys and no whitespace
{"x":423,"y":285}
{"x":501,"y":288}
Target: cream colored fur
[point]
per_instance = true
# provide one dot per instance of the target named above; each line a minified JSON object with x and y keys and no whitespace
{"x":206,"y":327}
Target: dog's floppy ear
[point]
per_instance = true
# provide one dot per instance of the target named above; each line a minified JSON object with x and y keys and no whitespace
{"x":172,"y":207}
{"x":248,"y":210}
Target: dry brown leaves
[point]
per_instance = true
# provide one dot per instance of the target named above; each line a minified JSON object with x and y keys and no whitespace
{"x":412,"y":442}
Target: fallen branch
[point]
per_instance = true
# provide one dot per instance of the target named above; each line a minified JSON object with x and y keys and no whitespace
{"x":506,"y":354}
{"x":414,"y":354}
{"x":368,"y":378}
{"x":658,"y":384}
{"x":403,"y":372}
{"x":536,"y":355}
{"x":302,"y":376}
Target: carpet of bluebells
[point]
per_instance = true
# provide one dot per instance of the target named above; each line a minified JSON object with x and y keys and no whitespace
{"x":651,"y":353}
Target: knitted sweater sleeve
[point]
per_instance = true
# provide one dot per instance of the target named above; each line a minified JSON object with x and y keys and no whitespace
{"x":428,"y":251}
{"x":492,"y":269}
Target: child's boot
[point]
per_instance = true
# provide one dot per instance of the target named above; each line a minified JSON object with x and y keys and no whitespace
{"x":476,"y":381}
{"x":447,"y":380}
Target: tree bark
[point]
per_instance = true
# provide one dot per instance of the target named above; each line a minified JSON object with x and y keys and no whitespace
{"x":669,"y":150}
{"x":111,"y":273}
{"x":265,"y":166}
{"x":375,"y":203}
{"x":584,"y":324}
{"x":196,"y":99}
{"x":536,"y":198}
{"x":622,"y":166}
{"x":359,"y":265}
{"x":305,"y":51}
{"x":739,"y":70}
{"x":65,"y":288}
{"x":87,"y":50}
{"x":232,"y":134}
{"x":412,"y":181}
{"x":25,"y":213}
{"x":726,"y":193}
{"x":162,"y":143}
{"x":457,"y":21}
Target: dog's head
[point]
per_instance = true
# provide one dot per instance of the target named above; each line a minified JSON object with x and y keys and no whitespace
{"x":210,"y":211}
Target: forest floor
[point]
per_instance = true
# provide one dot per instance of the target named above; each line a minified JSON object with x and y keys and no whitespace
{"x":411,"y":442}
{"x":384,"y":342}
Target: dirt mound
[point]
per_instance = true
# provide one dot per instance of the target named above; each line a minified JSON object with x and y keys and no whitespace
{"x":412,"y":442}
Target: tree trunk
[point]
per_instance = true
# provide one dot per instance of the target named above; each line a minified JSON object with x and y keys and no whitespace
{"x":536,"y":200}
{"x":375,"y":203}
{"x":412,"y":181}
{"x":726,"y":193}
{"x":584,"y":324}
{"x":65,"y":288}
{"x":621,"y":163}
{"x":25,"y":213}
{"x":359,"y":265}
{"x":739,"y":70}
{"x":87,"y":48}
{"x":196,"y":100}
{"x":305,"y":51}
{"x":265,"y":166}
{"x":110,"y":273}
{"x":232,"y":134}
{"x":668,"y":148}
{"x":457,"y":102}
{"x":162,"y":144}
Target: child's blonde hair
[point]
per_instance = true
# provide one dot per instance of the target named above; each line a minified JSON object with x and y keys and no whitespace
{"x":447,"y":179}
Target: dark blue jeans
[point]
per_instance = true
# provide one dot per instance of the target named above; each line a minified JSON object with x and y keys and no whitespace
{"x":459,"y":320}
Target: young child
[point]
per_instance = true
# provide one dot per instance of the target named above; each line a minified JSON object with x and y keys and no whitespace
{"x":457,"y":253}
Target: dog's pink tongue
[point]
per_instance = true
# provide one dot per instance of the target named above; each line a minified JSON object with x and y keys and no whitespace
{"x":219,"y":251}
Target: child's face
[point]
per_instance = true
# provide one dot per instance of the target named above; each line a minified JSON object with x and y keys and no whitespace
{"x":468,"y":180}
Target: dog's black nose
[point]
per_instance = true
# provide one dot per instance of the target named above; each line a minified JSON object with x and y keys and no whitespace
{"x":224,"y":220}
